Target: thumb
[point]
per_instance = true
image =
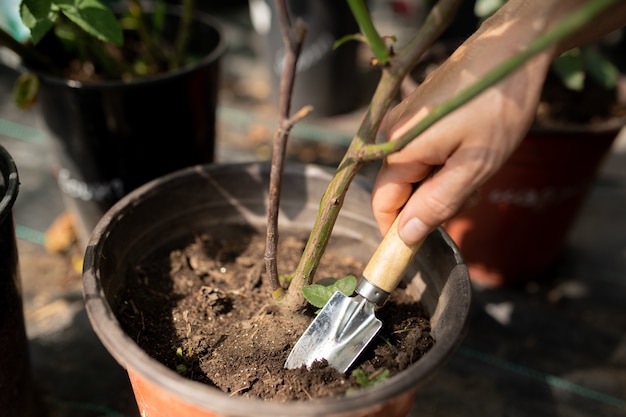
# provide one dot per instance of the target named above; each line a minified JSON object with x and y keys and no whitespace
{"x":435,"y":201}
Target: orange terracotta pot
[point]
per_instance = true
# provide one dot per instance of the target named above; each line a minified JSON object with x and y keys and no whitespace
{"x":519,"y":224}
{"x":174,"y":208}
{"x":160,"y":401}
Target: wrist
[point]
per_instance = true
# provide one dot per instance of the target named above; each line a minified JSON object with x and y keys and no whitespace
{"x":519,"y":22}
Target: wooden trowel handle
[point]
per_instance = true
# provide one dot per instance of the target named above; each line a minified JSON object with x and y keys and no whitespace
{"x":390,"y":260}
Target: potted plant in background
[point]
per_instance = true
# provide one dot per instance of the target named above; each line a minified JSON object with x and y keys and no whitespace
{"x":207,"y":204}
{"x":517,"y":226}
{"x":127,"y":91}
{"x":19,"y":395}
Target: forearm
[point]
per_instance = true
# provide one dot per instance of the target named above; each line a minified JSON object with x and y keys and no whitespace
{"x":526,"y":19}
{"x":517,"y":24}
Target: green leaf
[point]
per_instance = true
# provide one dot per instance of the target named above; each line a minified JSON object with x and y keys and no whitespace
{"x":485,"y":8}
{"x":39,"y":17}
{"x":319,"y":294}
{"x":66,"y":32}
{"x":348,"y":38}
{"x":367,"y":381}
{"x":569,"y":68}
{"x":360,"y":376}
{"x":316,"y":294}
{"x":600,"y":68}
{"x":93,"y":17}
{"x":25,"y":90}
{"x":346,"y":285}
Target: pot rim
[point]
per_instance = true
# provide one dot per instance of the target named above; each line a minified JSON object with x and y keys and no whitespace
{"x":215,"y":54}
{"x":131,"y":356}
{"x":8,"y":169}
{"x":613,"y":124}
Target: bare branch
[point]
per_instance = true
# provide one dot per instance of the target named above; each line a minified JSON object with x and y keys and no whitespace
{"x":293,"y":38}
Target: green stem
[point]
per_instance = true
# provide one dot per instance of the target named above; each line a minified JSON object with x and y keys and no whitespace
{"x":362,"y":16}
{"x":153,"y":54}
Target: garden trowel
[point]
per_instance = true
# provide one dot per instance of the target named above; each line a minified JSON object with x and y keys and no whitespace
{"x":346,"y":325}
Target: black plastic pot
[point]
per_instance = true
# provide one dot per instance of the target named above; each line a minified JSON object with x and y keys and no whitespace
{"x":113,"y":136}
{"x":171,"y":210}
{"x":326,"y":78}
{"x":18,"y":396}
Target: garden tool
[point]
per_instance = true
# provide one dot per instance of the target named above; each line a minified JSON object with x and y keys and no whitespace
{"x":346,"y":325}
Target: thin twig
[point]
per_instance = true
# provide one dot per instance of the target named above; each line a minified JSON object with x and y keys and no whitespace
{"x":30,"y":56}
{"x":152,"y":52}
{"x":293,"y":38}
{"x":184,"y":32}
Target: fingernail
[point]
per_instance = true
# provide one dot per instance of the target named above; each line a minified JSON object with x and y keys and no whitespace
{"x":413,"y":231}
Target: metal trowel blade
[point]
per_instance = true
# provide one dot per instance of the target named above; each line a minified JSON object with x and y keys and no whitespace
{"x":339,"y":333}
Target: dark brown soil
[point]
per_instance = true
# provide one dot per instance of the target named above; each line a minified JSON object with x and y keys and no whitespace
{"x":122,"y":61}
{"x":206,"y":312}
{"x":593,"y":104}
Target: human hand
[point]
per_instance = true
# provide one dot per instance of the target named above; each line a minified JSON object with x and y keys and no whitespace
{"x":456,"y":155}
{"x":466,"y":147}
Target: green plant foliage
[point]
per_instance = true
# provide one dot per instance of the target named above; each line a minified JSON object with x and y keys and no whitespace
{"x":485,"y":8}
{"x":92,"y":16}
{"x":600,"y":68}
{"x":319,"y":294}
{"x":368,"y":381}
{"x":39,"y":17}
{"x":181,"y":368}
{"x":569,"y":68}
{"x":574,"y":66}
{"x":25,"y":90}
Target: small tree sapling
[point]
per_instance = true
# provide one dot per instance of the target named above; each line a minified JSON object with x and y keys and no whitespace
{"x":395,"y":67}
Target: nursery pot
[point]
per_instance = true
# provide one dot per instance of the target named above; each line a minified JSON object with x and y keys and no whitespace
{"x":112,"y":136}
{"x":517,"y":227}
{"x":327,"y":78}
{"x":169,"y":211}
{"x":17,"y":394}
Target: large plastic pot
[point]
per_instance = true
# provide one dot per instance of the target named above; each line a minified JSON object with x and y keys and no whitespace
{"x":111,"y":137}
{"x":518,"y":227}
{"x":18,"y":395}
{"x":172,"y":210}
